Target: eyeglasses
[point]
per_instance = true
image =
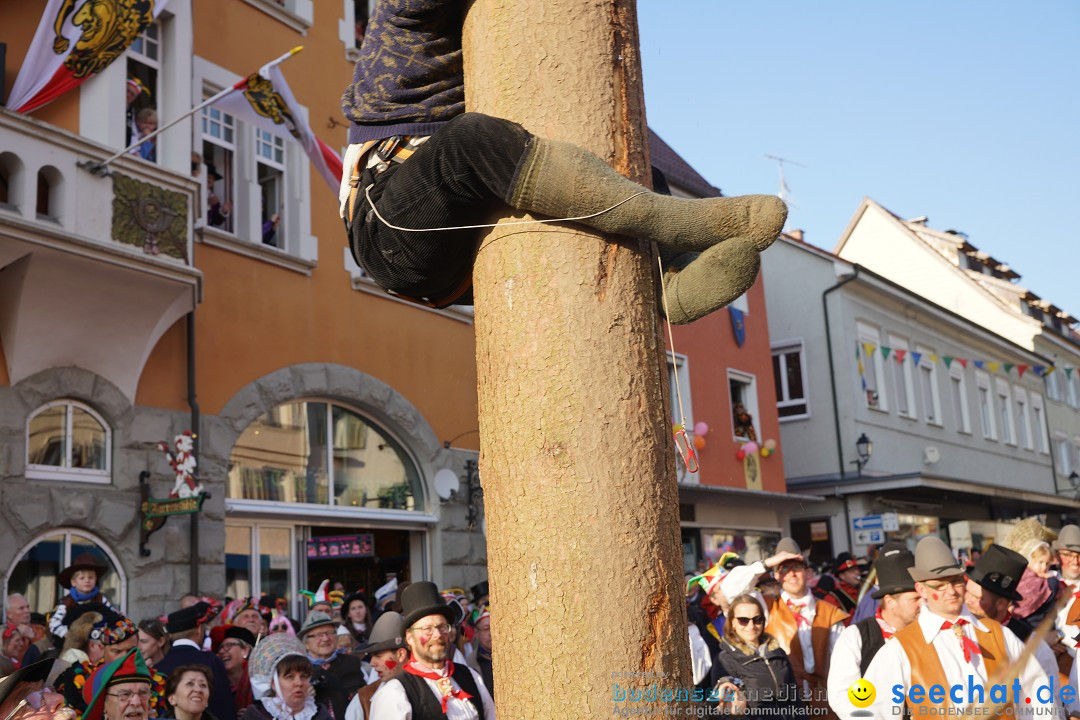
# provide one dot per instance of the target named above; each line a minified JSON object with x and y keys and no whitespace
{"x":783,"y":569}
{"x":744,"y":621}
{"x":427,"y":631}
{"x":124,"y":696}
{"x":322,"y":634}
{"x":955,"y":581}
{"x":229,"y":645}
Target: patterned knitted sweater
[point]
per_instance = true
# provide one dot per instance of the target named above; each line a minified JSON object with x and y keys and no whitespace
{"x":409,"y":78}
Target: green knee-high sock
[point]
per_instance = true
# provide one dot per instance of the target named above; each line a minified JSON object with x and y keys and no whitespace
{"x":562,"y":180}
{"x":711,"y":281}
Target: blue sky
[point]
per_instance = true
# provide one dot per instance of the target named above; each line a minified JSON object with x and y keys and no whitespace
{"x":965,"y":112}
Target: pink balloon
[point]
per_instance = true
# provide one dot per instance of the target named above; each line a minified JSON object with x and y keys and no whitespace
{"x":751,"y":447}
{"x":701,"y":428}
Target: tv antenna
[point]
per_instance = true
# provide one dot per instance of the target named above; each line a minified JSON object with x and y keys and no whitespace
{"x":785,"y":192}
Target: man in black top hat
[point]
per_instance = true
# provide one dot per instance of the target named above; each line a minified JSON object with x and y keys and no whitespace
{"x":841,"y":588}
{"x":431,"y":683}
{"x":187,"y":628}
{"x":992,"y":589}
{"x":859,"y":643}
{"x":479,"y":593}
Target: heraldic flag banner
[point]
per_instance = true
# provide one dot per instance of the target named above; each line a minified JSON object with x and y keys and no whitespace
{"x":264,"y":100}
{"x":75,"y":40}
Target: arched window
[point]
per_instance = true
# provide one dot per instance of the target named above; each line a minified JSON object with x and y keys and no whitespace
{"x":324,"y":454}
{"x":49,"y":184}
{"x":37,"y":567}
{"x":66,"y":440}
{"x":10,"y":179}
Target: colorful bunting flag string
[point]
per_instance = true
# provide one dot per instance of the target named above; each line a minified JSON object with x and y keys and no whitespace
{"x":865,"y":350}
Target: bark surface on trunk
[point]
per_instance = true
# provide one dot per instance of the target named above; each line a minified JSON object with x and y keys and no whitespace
{"x":576,"y":461}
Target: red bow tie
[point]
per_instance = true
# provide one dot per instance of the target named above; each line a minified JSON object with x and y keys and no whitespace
{"x":796,"y":610}
{"x":967,"y":644}
{"x":442,"y":682}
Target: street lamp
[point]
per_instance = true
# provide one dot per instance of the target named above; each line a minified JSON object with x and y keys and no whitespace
{"x":865,"y":448}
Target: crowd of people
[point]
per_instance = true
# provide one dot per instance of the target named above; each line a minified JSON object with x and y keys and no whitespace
{"x":245,"y":659}
{"x":776,"y":637}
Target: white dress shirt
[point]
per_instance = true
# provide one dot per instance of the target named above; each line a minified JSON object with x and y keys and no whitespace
{"x":1067,"y":632}
{"x":699,"y":655}
{"x":391,"y":703}
{"x":891,"y":666}
{"x":844,"y":664}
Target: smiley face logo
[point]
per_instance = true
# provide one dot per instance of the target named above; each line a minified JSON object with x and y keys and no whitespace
{"x":861,"y":693}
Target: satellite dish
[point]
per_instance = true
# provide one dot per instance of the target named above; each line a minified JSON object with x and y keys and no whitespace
{"x":446,"y":483}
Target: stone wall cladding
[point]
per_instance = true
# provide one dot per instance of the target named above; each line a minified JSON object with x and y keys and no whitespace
{"x":29,"y":508}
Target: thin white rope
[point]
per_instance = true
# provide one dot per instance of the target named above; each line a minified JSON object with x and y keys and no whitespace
{"x":491,"y":225}
{"x":671,"y":337}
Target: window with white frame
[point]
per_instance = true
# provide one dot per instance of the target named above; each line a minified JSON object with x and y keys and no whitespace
{"x":986,"y":405}
{"x":1023,"y":419}
{"x":219,"y":140}
{"x":1004,"y":403}
{"x":1064,"y":455}
{"x":143,"y":89}
{"x":36,"y":571}
{"x":789,"y":376}
{"x":270,"y":171}
{"x":678,"y":367}
{"x":901,"y":371}
{"x":872,"y":368}
{"x":928,"y":387}
{"x":259,"y":560}
{"x":1038,"y":421}
{"x":958,"y":392}
{"x":1053,"y":387}
{"x":67,"y":440}
{"x":744,"y":407}
{"x":1072,"y":382}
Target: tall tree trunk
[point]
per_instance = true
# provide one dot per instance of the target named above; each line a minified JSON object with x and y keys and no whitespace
{"x":576,"y":458}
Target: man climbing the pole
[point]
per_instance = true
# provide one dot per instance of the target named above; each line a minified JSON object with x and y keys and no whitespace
{"x":421,"y":174}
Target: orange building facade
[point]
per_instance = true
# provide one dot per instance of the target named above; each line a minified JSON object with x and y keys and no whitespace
{"x":336,"y":426}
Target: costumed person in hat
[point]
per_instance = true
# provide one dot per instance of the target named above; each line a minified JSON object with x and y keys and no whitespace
{"x":1038,"y":586}
{"x":411,"y":138}
{"x":1067,"y":547}
{"x":841,"y":587}
{"x":233,"y":644}
{"x":991,"y":591}
{"x":119,"y":690}
{"x":281,"y":682}
{"x":860,"y":642}
{"x":81,"y":578}
{"x":806,"y":629}
{"x":479,"y":593}
{"x":388,"y":656}
{"x":356,"y":617}
{"x":868,"y":606}
{"x":336,"y":675}
{"x":116,"y":635}
{"x":432,"y":684}
{"x":947,"y":646}
{"x":187,"y":627}
{"x":479,"y":656}
{"x":754,"y":659}
{"x":319,"y":601}
{"x":24,"y":695}
{"x":247,"y":613}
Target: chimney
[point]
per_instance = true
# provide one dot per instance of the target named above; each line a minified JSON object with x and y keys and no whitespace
{"x":796,"y":234}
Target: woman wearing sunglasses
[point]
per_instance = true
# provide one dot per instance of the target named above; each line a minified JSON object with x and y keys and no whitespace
{"x":751,"y":669}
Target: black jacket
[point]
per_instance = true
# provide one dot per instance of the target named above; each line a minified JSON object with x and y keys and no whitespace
{"x":768,"y":680}
{"x":256,"y":711}
{"x":337,"y":681}
{"x":221,"y":702}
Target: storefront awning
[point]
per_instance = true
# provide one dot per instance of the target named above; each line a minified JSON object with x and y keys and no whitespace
{"x":1027,"y":500}
{"x":705,"y":493}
